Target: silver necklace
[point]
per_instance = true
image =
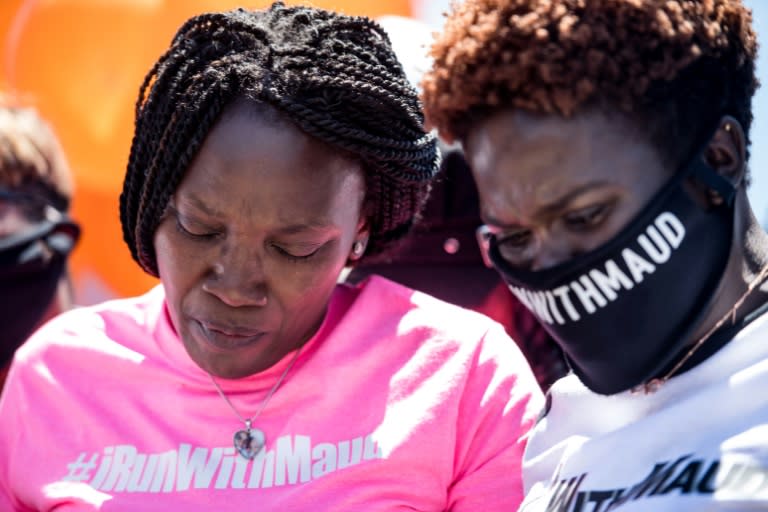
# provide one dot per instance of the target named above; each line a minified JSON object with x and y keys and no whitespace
{"x":653,"y":385}
{"x":250,"y":441}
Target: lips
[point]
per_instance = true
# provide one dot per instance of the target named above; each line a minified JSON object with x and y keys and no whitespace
{"x":227,"y":336}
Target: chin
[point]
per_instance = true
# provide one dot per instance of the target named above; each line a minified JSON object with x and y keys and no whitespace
{"x":232,"y":373}
{"x":236,"y":364}
{"x":227,"y":366}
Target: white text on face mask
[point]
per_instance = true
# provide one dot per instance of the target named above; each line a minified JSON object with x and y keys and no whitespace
{"x":598,"y":287}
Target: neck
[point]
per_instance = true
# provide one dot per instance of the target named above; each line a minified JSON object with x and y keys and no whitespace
{"x":748,"y":257}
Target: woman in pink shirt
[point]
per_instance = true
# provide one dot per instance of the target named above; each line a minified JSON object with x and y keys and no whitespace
{"x":272,"y":148}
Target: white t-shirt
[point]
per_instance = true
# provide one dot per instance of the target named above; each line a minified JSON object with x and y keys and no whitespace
{"x":698,"y":443}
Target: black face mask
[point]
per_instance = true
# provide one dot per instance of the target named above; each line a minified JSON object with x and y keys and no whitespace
{"x":31,"y":265}
{"x":623,"y":312}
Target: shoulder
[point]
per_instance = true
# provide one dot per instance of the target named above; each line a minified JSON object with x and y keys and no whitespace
{"x":379,"y":298}
{"x":102,"y":328}
{"x":436,"y":335}
{"x":386,"y":308}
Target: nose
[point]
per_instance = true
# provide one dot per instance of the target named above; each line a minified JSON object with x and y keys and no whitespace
{"x":237,"y":279}
{"x":551,"y":250}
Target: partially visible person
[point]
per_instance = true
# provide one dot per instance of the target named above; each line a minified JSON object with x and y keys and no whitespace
{"x":441,"y":256}
{"x":36,"y":234}
{"x":272,"y":148}
{"x":609,"y":141}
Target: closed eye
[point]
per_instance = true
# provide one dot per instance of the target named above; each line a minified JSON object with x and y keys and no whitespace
{"x":192,"y":234}
{"x":514,"y":246}
{"x":588,"y":218}
{"x":191,"y":229}
{"x":516,"y":239}
{"x":295,"y":254}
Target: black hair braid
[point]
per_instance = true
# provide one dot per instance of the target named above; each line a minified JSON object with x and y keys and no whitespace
{"x":138,"y":185}
{"x":177,"y":159}
{"x":172,"y":135}
{"x":336,"y":77}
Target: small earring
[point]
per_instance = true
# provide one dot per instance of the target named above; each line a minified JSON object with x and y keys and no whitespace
{"x":728,"y":127}
{"x":357,"y":248}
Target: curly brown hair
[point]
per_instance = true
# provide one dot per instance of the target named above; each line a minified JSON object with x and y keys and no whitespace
{"x":677,"y":66}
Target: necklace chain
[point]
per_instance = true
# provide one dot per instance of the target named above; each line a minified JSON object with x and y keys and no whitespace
{"x":264,"y":402}
{"x":654,"y":384}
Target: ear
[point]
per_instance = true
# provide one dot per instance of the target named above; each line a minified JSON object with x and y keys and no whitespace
{"x":363,"y":229}
{"x":726,"y":151}
{"x":361,"y":240}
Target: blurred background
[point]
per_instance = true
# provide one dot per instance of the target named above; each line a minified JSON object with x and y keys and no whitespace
{"x":80,"y":63}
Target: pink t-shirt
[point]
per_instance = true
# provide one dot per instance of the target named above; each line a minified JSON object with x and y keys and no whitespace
{"x":399,"y":402}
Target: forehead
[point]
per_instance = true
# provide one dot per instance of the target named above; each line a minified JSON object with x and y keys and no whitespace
{"x":523,"y":161}
{"x":254,"y":158}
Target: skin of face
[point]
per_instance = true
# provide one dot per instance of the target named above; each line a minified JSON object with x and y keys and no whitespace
{"x":556,"y":188}
{"x":254,"y":238}
{"x":13,"y":219}
{"x":552,"y":188}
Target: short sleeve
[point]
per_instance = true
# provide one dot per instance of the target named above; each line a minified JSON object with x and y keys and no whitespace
{"x":499,"y":406}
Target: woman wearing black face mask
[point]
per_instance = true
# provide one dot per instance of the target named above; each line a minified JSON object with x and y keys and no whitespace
{"x":36,"y":236}
{"x":609,"y":143}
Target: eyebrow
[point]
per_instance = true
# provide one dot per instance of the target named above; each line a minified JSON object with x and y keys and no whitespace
{"x":556,"y":205}
{"x":304,"y":227}
{"x":291,"y":229}
{"x":200,"y":205}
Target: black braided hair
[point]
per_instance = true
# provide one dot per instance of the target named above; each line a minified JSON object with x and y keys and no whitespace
{"x":336,"y":77}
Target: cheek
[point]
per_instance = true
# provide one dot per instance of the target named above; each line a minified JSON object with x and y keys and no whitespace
{"x":304,"y":287}
{"x":165,"y":253}
{"x":176,"y":267}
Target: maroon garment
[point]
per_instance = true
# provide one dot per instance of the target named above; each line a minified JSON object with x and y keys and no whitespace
{"x":442,"y":258}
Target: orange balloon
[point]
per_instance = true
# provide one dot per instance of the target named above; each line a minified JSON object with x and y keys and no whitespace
{"x":81,"y":63}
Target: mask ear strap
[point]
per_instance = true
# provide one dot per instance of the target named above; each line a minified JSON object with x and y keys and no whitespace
{"x":64,"y":237}
{"x":36,"y":232}
{"x":707,"y":175}
{"x":711,"y":178}
{"x":61,"y":235}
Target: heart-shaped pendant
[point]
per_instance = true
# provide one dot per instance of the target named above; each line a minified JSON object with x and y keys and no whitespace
{"x":249,"y":442}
